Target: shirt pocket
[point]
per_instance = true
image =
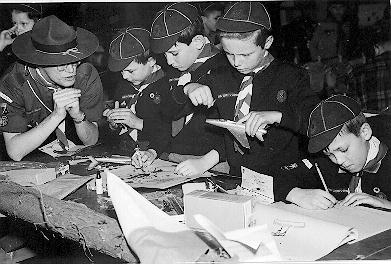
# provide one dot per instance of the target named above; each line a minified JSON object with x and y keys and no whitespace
{"x":33,"y":117}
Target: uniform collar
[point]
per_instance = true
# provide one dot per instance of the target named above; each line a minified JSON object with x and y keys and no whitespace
{"x":37,"y":76}
{"x":374,"y":164}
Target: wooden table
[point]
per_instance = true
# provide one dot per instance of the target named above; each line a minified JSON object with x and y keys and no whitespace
{"x":377,"y":247}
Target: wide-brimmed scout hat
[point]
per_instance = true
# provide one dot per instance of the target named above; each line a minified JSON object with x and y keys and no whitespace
{"x":126,"y":46}
{"x":169,"y":23}
{"x":327,"y":119}
{"x":244,"y":17}
{"x":52,"y":42}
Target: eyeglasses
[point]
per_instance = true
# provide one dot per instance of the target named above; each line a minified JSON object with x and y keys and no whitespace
{"x":64,"y":67}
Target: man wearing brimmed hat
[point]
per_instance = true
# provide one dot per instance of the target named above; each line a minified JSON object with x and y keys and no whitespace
{"x":52,"y":91}
{"x":144,"y":102}
{"x":177,"y":31}
{"x":261,"y":92}
{"x":357,"y":165}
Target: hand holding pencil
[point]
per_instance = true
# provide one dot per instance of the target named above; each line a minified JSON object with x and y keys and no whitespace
{"x":143,"y":158}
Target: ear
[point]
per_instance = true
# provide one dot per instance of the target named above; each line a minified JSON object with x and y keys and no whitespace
{"x":366,"y":131}
{"x":268,"y":42}
{"x":151,"y":61}
{"x":198,"y":41}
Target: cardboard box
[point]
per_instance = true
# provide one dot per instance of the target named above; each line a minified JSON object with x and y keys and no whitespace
{"x":227,"y":211}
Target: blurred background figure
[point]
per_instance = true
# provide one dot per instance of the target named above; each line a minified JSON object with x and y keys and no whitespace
{"x":335,"y":35}
{"x":23,"y":17}
{"x":210,"y":12}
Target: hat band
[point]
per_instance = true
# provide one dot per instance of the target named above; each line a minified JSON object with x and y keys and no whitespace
{"x":54,"y":48}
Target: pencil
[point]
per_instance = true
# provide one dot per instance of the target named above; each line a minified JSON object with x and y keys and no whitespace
{"x":321,"y":177}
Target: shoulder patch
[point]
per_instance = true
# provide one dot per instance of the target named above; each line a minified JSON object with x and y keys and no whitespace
{"x":290,"y":166}
{"x":281,"y":96}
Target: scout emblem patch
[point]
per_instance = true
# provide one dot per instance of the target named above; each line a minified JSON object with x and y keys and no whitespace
{"x":3,"y":117}
{"x":379,"y":194}
{"x":155,"y":97}
{"x":281,"y":96}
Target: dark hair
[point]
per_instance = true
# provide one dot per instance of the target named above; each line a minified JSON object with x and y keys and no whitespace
{"x":143,"y":57}
{"x":260,"y":40}
{"x":33,"y":11}
{"x":211,"y":7}
{"x":354,"y":125}
{"x":196,"y":28}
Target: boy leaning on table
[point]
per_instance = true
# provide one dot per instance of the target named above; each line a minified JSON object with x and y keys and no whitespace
{"x":142,"y":97}
{"x":356,"y":164}
{"x":177,"y":31}
{"x":256,"y":90}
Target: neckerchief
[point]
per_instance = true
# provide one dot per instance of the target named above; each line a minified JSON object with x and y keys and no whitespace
{"x":156,"y":74}
{"x":377,"y":151}
{"x":208,"y":51}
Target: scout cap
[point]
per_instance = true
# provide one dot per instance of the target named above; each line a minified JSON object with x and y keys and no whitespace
{"x":126,"y":46}
{"x":52,"y":42}
{"x":327,"y":119}
{"x":169,"y":23}
{"x":244,"y":17}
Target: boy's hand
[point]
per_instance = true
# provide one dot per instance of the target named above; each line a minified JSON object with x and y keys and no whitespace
{"x":143,"y":158}
{"x":256,"y":122}
{"x":354,"y":199}
{"x":191,"y":167}
{"x":311,"y":198}
{"x":123,"y":116}
{"x":199,"y":94}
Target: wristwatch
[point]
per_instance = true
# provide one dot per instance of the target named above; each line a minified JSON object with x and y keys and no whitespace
{"x":80,"y":121}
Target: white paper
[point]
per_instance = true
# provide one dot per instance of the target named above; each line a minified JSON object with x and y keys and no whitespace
{"x":367,"y":221}
{"x":54,"y":149}
{"x":257,"y":184}
{"x":248,"y":244}
{"x":152,"y":234}
{"x":159,"y":175}
{"x":300,"y":237}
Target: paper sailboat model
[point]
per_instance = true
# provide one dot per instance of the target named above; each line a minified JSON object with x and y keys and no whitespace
{"x":237,"y":129}
{"x":158,"y":238}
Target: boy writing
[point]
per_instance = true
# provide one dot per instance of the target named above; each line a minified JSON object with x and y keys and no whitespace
{"x":357,"y":166}
{"x":177,"y":31}
{"x":142,"y":98}
{"x":261,"y":92}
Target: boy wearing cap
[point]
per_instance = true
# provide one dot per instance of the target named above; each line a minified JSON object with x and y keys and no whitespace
{"x":357,"y":170}
{"x":52,"y":94}
{"x":142,"y":97}
{"x":210,"y":12}
{"x":177,"y":31}
{"x":261,"y":92}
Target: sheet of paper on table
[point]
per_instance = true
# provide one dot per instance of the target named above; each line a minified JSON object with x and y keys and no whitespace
{"x":367,"y":221}
{"x":300,"y":237}
{"x":158,"y":238}
{"x":257,"y":185}
{"x":160,"y":175}
{"x":54,"y":149}
{"x":152,"y":234}
{"x":64,"y":185}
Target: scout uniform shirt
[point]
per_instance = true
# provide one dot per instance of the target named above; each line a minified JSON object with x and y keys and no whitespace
{"x":30,"y":94}
{"x":194,"y":137}
{"x":152,"y":102}
{"x":374,"y":179}
{"x":279,"y":87}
